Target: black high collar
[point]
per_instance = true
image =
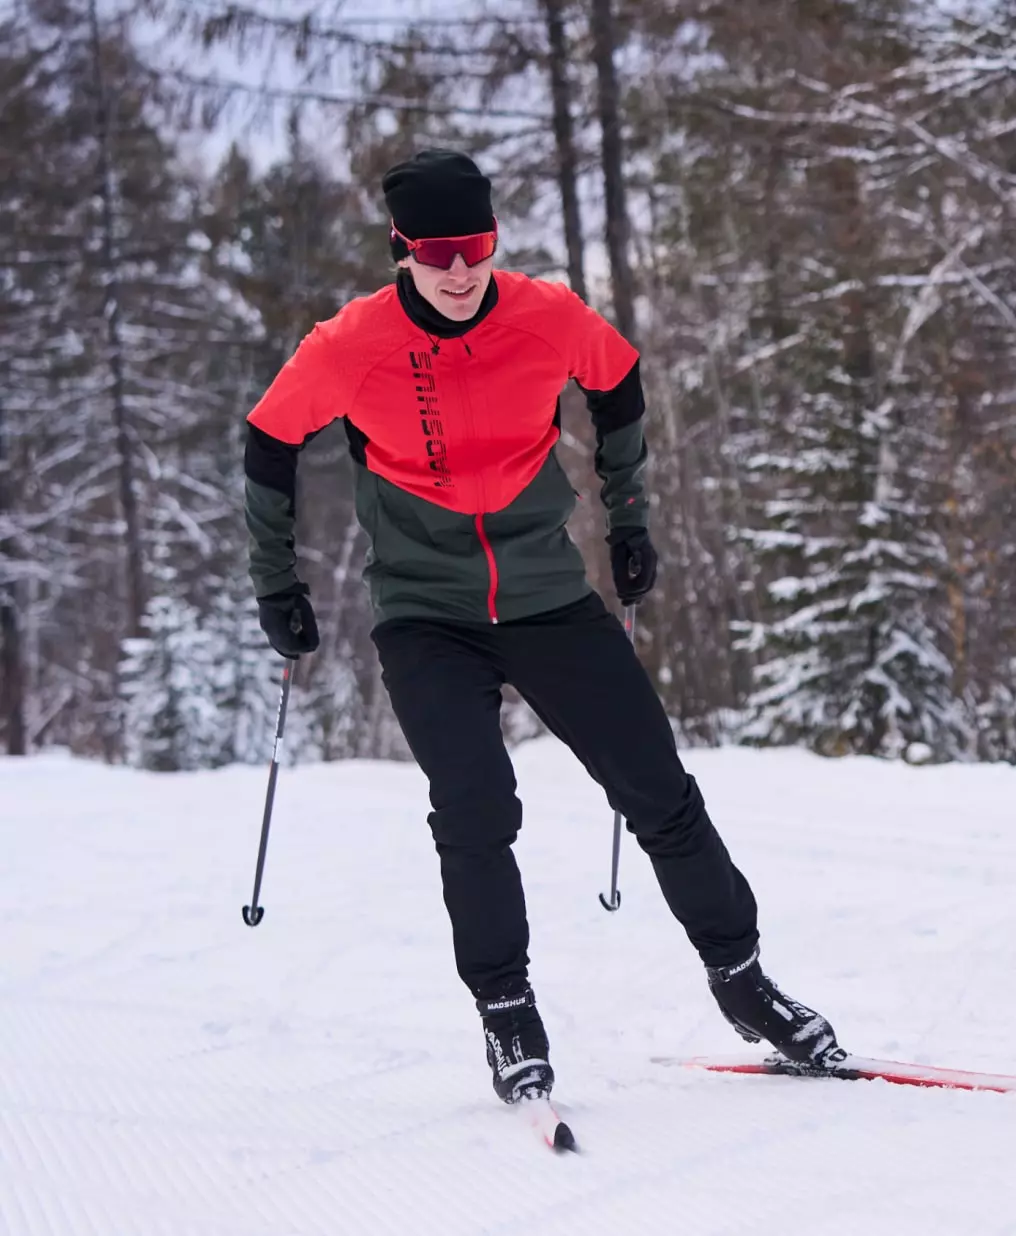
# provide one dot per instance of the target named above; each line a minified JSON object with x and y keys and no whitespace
{"x":423,"y":314}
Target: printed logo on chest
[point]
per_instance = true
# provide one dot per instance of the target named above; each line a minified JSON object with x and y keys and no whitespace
{"x":430,"y":419}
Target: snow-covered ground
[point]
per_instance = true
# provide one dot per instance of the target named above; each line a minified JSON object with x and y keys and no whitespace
{"x":166,"y":1071}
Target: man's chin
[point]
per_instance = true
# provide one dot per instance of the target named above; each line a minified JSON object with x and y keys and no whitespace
{"x":459,"y":309}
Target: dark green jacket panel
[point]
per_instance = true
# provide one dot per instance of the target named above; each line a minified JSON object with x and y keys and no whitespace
{"x":620,"y":462}
{"x":619,"y":419}
{"x":422,"y":559}
{"x":426,"y":561}
{"x":271,"y":525}
{"x":539,"y":566}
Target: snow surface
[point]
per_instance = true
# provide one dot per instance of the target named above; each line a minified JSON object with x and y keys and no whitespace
{"x":166,"y":1071}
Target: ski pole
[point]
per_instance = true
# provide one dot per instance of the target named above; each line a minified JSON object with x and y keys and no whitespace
{"x":253,"y":914}
{"x":615,"y":893}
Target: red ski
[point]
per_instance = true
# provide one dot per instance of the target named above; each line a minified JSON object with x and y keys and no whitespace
{"x":852,"y":1068}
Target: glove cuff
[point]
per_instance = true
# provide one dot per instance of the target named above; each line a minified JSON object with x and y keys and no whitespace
{"x":299,"y":589}
{"x":629,"y":532}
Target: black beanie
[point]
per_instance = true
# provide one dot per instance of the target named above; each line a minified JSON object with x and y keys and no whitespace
{"x":437,"y":193}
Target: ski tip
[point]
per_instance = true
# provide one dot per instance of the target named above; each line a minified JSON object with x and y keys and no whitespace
{"x":547,"y":1123}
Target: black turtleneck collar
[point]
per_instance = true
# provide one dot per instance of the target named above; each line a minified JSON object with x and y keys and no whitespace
{"x":423,"y":314}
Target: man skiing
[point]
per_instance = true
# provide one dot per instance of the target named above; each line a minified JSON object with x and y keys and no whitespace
{"x":447,"y":381}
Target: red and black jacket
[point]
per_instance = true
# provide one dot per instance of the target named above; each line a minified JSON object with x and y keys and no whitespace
{"x":458,"y":486}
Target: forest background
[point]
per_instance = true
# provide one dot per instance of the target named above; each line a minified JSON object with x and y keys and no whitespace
{"x":803,"y":213}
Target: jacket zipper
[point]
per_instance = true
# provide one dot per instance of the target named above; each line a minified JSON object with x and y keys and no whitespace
{"x":491,"y":566}
{"x":482,"y":499}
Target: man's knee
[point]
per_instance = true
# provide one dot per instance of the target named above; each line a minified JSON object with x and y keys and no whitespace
{"x":674,"y":824}
{"x":477,"y":823}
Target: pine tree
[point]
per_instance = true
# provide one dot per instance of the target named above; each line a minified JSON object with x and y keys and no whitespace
{"x":293,"y":244}
{"x":202,"y":690}
{"x":46,"y":482}
{"x":246,"y":683}
{"x":123,"y":427}
{"x":169,"y":681}
{"x":851,"y":656}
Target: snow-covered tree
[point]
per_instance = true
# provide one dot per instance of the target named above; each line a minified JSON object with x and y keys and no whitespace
{"x":246,"y":684}
{"x":202,"y":690}
{"x":168,"y":683}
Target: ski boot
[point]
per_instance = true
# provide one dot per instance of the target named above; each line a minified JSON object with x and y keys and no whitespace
{"x":758,"y":1010}
{"x":517,"y":1047}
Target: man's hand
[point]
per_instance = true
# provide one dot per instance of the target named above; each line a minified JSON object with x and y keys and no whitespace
{"x":287,"y":618}
{"x":633,"y":563}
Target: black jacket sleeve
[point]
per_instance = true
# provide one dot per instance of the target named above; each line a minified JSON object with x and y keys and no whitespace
{"x":270,"y":510}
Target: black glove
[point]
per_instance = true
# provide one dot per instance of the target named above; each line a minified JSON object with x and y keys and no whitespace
{"x":633,"y":563}
{"x":287,"y":618}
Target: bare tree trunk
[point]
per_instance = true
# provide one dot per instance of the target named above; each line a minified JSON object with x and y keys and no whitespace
{"x":564,"y":138}
{"x":114,"y":339}
{"x":12,"y":677}
{"x":618,"y":223}
{"x":370,"y":746}
{"x":578,"y":436}
{"x":953,"y":414}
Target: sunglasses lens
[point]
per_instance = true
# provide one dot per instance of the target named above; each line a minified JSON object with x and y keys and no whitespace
{"x":441,"y":251}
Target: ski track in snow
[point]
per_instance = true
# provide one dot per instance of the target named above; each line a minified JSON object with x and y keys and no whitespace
{"x":166,"y":1071}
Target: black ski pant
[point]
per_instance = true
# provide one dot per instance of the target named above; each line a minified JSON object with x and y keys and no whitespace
{"x":577,"y":670}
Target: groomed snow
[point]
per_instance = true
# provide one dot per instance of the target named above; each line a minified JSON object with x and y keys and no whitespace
{"x":166,"y":1071}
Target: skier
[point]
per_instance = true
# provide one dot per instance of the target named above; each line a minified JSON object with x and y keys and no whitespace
{"x":447,"y":382}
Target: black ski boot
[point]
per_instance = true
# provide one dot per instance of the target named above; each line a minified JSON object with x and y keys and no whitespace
{"x":517,"y":1047}
{"x":757,"y":1010}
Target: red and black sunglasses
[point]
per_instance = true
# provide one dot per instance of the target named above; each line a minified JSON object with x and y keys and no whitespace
{"x":440,"y":251}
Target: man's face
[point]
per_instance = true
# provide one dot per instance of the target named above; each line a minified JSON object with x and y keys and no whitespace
{"x":456,"y":292}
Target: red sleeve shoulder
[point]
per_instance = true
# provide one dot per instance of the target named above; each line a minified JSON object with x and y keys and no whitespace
{"x":318,"y":384}
{"x":308,"y":391}
{"x":598,"y":356}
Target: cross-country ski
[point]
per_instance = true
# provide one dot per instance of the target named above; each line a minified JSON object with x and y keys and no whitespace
{"x":852,"y":1068}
